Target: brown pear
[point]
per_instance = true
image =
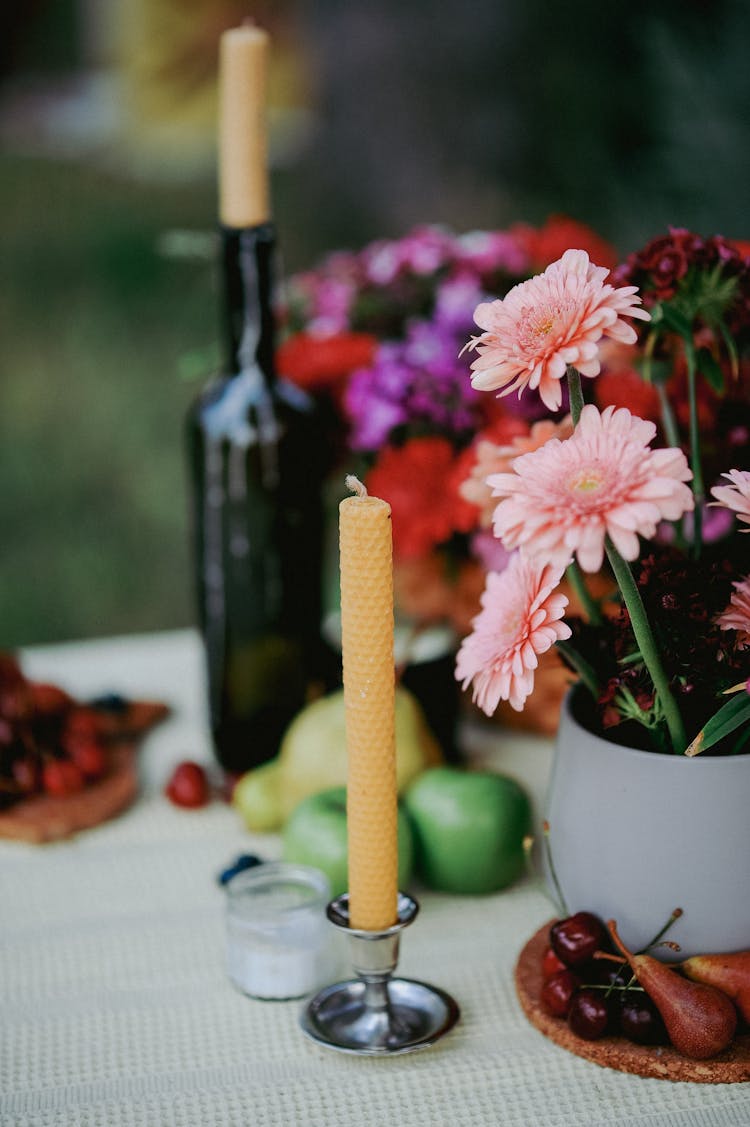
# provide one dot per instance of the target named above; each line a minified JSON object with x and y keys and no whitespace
{"x":728,"y":973}
{"x":699,"y":1019}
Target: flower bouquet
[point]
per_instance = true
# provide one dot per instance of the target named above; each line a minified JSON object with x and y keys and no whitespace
{"x":666,"y":660}
{"x":647,"y":803}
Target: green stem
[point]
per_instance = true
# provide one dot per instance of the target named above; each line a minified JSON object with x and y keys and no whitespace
{"x":575,"y":393}
{"x":586,"y":599}
{"x":663,"y":931}
{"x":582,"y":668}
{"x":647,"y":645}
{"x":668,"y":420}
{"x":695,"y":450}
{"x":672,"y":435}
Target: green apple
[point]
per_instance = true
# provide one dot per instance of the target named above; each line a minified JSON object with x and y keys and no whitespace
{"x":468,"y":828}
{"x":313,"y":750}
{"x":257,"y":797}
{"x":315,"y":834}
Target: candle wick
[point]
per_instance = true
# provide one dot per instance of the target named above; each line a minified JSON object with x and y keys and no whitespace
{"x":354,"y":485}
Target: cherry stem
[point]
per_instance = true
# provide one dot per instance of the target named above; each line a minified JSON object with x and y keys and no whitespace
{"x":625,"y":988}
{"x":610,"y":958}
{"x":561,"y":905}
{"x":668,"y":943}
{"x":675,"y":916}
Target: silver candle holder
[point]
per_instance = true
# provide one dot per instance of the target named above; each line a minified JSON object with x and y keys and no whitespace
{"x":377,"y":1014}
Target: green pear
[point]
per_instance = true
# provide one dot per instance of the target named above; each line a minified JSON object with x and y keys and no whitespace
{"x":313,"y":750}
{"x":313,"y":757}
{"x":257,"y":797}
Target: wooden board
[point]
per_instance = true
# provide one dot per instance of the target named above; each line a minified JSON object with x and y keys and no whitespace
{"x":44,"y":817}
{"x":661,"y":1061}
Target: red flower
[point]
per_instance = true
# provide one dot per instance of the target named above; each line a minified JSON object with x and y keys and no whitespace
{"x":315,"y":362}
{"x":625,"y":388}
{"x":420,"y":482}
{"x":548,"y":243}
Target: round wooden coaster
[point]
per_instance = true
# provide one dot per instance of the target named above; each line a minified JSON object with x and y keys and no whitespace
{"x":661,"y":1061}
{"x":48,"y":818}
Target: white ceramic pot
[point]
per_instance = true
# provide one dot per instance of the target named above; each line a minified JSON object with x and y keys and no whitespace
{"x":634,"y":834}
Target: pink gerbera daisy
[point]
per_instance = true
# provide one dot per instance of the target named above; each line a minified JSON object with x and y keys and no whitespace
{"x":735,"y":496}
{"x":566,"y":497}
{"x":737,"y":615}
{"x":548,"y":322}
{"x":494,"y":457}
{"x":519,"y":620}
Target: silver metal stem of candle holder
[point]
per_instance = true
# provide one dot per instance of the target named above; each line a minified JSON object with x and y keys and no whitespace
{"x":377,"y":1014}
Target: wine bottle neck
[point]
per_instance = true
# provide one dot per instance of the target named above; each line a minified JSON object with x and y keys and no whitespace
{"x":247,"y":268}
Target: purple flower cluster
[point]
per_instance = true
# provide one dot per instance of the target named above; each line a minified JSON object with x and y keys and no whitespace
{"x":388,"y":282}
{"x":416,"y":296}
{"x":417,"y":385}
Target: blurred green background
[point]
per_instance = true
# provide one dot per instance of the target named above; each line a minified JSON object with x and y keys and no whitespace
{"x":384,"y":115}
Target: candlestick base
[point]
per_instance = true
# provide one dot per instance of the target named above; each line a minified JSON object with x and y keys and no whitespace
{"x":377,"y":1014}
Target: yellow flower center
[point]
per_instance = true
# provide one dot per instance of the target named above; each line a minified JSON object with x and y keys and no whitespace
{"x":585,"y":481}
{"x":544,"y":327}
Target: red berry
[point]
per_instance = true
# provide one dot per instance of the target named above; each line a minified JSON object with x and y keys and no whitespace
{"x":27,"y":774}
{"x":188,"y":785}
{"x":575,"y":939}
{"x":589,"y":1014}
{"x":90,"y":758}
{"x":81,"y":726}
{"x":48,"y":700}
{"x":60,"y":777}
{"x":551,"y":964}
{"x":557,"y":992}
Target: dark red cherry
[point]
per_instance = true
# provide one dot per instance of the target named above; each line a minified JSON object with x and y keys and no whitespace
{"x":589,"y":1014}
{"x":640,"y":1021}
{"x":558,"y":990}
{"x":575,"y":938}
{"x":551,"y":964}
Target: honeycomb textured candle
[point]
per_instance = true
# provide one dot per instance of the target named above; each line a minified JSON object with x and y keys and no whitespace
{"x":369,"y":699}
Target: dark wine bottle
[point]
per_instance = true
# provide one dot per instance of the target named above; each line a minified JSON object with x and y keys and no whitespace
{"x":258,"y":460}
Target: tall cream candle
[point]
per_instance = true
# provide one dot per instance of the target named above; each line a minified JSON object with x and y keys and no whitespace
{"x":243,"y":146}
{"x":369,"y":700}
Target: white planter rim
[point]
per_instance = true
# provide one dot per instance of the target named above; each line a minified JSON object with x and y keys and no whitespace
{"x":696,"y":762}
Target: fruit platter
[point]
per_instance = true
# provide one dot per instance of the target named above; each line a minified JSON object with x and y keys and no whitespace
{"x":65,"y":765}
{"x":642,"y":1013}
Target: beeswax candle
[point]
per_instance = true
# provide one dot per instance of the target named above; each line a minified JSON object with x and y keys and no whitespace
{"x":243,"y":158}
{"x":369,"y":699}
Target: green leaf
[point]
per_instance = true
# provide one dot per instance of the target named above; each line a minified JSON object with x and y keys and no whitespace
{"x":711,"y":370}
{"x":657,"y":314}
{"x":731,"y":349}
{"x":729,"y":717}
{"x":581,"y":666}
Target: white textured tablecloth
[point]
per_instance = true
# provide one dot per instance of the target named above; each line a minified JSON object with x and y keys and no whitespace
{"x":116,"y":1011}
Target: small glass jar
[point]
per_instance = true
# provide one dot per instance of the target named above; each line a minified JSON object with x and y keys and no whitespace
{"x":280,"y":944}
